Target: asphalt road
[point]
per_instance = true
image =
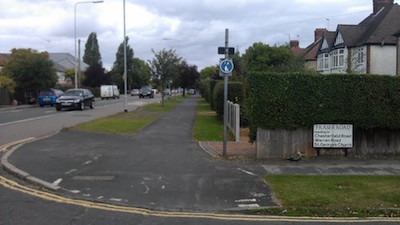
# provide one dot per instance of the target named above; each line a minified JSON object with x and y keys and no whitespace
{"x":144,"y":178}
{"x":18,"y":123}
{"x":160,"y":168}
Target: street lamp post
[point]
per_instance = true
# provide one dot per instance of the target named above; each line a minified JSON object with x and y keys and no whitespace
{"x":125,"y":65}
{"x":173,"y":39}
{"x":76,"y":60}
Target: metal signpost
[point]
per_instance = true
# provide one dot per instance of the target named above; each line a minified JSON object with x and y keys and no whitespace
{"x":226,"y":67}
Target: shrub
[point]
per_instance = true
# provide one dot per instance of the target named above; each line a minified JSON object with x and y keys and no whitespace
{"x":291,"y":101}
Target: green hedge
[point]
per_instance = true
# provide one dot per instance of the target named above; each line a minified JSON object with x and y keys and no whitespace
{"x":291,"y":101}
{"x":210,"y":94}
{"x":235,"y":95}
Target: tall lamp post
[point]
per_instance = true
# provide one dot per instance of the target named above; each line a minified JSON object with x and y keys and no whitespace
{"x":76,"y":60}
{"x":125,"y":65}
{"x":173,"y":39}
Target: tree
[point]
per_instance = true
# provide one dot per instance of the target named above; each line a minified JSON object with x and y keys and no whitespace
{"x":141,"y":74}
{"x":117,"y":71}
{"x":69,"y":75}
{"x":8,"y":83}
{"x":31,"y":71}
{"x":164,"y":66}
{"x":95,"y":76}
{"x":188,"y":76}
{"x":92,"y":53}
{"x":210,"y":73}
{"x":262,"y":57}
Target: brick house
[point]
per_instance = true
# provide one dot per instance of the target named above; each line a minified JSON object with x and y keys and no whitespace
{"x":366,"y":48}
{"x":310,"y":53}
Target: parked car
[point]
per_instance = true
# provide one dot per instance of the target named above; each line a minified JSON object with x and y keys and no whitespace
{"x":75,"y":99}
{"x":135,"y":92}
{"x":146,"y":91}
{"x":167,"y":91}
{"x":191,"y":91}
{"x":49,"y":96}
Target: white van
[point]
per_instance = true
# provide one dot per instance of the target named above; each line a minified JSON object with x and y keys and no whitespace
{"x":109,"y":91}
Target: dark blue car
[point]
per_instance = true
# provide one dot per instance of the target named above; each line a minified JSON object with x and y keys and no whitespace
{"x":49,"y":96}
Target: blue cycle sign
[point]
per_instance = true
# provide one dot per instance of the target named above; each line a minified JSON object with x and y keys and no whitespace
{"x":226,"y":66}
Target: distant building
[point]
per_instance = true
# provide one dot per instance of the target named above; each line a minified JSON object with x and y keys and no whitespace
{"x":62,"y":62}
{"x":366,"y":48}
{"x":309,"y":53}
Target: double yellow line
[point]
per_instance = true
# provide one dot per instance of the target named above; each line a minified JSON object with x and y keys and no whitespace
{"x":13,"y":185}
{"x":4,"y":147}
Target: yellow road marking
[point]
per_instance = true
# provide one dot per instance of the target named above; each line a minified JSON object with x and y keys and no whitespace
{"x":147,"y":212}
{"x":4,"y":147}
{"x":13,"y":185}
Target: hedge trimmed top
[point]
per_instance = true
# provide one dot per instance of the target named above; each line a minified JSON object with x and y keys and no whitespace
{"x":291,"y":101}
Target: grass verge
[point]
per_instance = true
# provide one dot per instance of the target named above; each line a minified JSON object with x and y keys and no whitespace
{"x":128,"y":122}
{"x":207,"y":126}
{"x":169,"y":104}
{"x":336,"y":196}
{"x":120,"y":123}
{"x":300,"y":195}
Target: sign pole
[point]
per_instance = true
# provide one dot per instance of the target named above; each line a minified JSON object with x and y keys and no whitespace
{"x":225,"y":92}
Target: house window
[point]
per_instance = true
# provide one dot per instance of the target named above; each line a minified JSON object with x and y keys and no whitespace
{"x":341,"y":57}
{"x":323,"y":61}
{"x":320,"y":62}
{"x":338,"y":58}
{"x":326,"y":61}
{"x":360,"y":56}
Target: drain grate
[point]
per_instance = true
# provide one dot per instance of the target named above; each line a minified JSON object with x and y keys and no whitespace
{"x":94,"y":178}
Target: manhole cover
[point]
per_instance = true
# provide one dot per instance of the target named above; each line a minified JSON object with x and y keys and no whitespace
{"x":94,"y":178}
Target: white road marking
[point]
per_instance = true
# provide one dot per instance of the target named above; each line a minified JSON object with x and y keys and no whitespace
{"x":87,"y":162}
{"x":70,"y":171}
{"x":97,"y":157}
{"x":25,"y":120}
{"x":257,"y":195}
{"x":246,"y":200}
{"x":248,"y":205}
{"x":57,"y":182}
{"x":147,"y":188}
{"x":248,"y":172}
{"x":116,"y":199}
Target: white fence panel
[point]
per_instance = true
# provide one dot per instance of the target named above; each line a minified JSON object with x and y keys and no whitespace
{"x":234,"y":119}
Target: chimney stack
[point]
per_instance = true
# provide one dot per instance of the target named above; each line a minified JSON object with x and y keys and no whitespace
{"x":294,"y":43}
{"x":318,"y":33}
{"x":379,"y":4}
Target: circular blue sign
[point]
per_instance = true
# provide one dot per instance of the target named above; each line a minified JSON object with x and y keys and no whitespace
{"x":226,"y":66}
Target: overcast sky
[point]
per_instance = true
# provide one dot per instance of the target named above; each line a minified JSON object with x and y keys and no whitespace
{"x":195,"y":28}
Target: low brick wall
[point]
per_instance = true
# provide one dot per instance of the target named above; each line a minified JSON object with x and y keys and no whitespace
{"x":279,"y":144}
